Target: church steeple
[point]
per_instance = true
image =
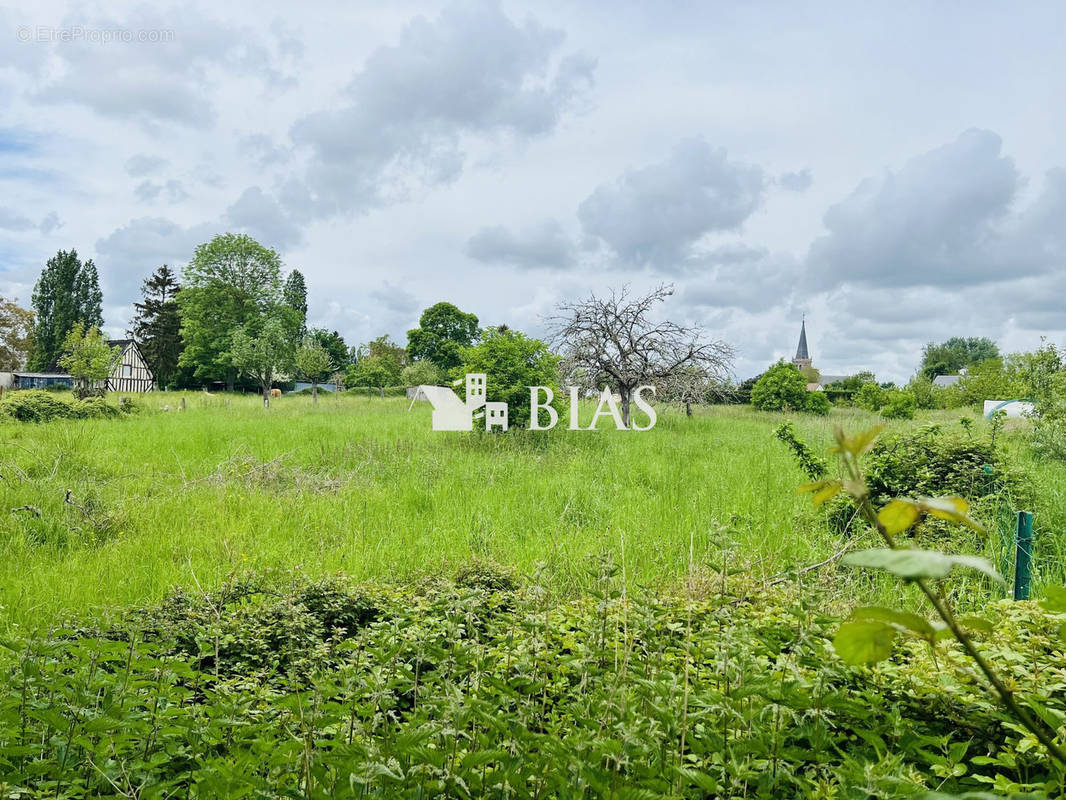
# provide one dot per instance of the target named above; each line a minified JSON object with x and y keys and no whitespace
{"x":803,"y":357}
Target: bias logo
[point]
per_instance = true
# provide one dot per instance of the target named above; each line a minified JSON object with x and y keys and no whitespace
{"x":452,"y":414}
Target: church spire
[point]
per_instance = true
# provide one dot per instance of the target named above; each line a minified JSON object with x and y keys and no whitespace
{"x":803,"y":357}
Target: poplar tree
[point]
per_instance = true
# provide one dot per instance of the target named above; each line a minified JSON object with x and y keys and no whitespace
{"x":67,"y":293}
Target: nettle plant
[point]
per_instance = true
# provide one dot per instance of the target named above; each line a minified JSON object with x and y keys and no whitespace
{"x":868,"y":635}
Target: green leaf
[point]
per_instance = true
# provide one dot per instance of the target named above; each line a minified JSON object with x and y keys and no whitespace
{"x":1054,"y":599}
{"x":864,"y":641}
{"x":976,"y":623}
{"x":899,"y":515}
{"x":859,"y":443}
{"x":823,"y":490}
{"x":902,"y":620}
{"x":911,"y":564}
{"x":953,"y":509}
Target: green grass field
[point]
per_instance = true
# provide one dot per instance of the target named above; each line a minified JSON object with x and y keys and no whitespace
{"x":366,"y":488}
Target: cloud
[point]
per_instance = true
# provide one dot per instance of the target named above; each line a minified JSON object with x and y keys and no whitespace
{"x":543,"y":246}
{"x":148,"y":191}
{"x":19,"y":223}
{"x":945,"y":219}
{"x":402,"y":120}
{"x":739,"y":276}
{"x":654,"y":215}
{"x":163,"y":78}
{"x":796,"y":181}
{"x":140,"y":165}
{"x":132,"y":252}
{"x":395,"y":299}
{"x":260,"y":215}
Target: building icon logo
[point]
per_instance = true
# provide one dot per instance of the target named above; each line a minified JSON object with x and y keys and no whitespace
{"x":452,"y":414}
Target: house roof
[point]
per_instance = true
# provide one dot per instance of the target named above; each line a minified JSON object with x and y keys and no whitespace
{"x":123,"y":343}
{"x":40,"y":374}
{"x":944,"y":381}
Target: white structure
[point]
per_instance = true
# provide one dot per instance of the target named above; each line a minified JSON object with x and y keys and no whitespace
{"x":1012,"y":408}
{"x":451,"y":414}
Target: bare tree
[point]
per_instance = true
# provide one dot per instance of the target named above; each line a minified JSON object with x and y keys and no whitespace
{"x":615,"y":340}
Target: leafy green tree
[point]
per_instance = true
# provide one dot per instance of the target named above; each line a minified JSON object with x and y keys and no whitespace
{"x":870,"y":396}
{"x":334,"y":344}
{"x":899,"y":404}
{"x":513,"y":362}
{"x":781,"y":388}
{"x":88,"y":359}
{"x":948,"y":358}
{"x":818,"y":404}
{"x":443,"y":331}
{"x":372,"y":371}
{"x":262,"y":351}
{"x":231,"y":284}
{"x":157,"y":324}
{"x":294,"y":295}
{"x":986,"y":380}
{"x":1033,"y":375}
{"x":312,"y":361}
{"x":924,"y":392}
{"x":68,"y":292}
{"x":421,"y":373}
{"x":16,"y":328}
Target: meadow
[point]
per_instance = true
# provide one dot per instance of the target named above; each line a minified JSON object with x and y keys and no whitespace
{"x":332,"y":600}
{"x":102,"y":514}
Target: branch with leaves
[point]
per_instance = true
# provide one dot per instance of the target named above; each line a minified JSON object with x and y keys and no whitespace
{"x":867,"y":637}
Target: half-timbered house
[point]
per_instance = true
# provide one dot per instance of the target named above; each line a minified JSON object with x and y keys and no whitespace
{"x":132,"y":374}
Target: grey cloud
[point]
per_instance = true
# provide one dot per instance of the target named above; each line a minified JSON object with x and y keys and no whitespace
{"x":543,"y":246}
{"x":395,"y":299}
{"x":796,"y":181}
{"x":141,"y":165}
{"x":130,"y":253}
{"x":944,"y":219}
{"x":148,"y":191}
{"x":162,"y":81}
{"x":19,"y":223}
{"x":262,"y":217}
{"x":738,"y":276}
{"x":471,"y":71}
{"x":655,"y":214}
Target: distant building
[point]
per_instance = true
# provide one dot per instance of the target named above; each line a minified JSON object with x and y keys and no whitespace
{"x":803,"y":362}
{"x":132,"y":373}
{"x":944,"y":381}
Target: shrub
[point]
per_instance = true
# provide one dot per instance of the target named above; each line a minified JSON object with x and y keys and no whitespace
{"x":486,"y":575}
{"x":781,"y":388}
{"x":33,"y":405}
{"x":93,"y":407}
{"x":870,"y":396}
{"x":899,"y":405}
{"x":818,"y":403}
{"x":422,"y":373}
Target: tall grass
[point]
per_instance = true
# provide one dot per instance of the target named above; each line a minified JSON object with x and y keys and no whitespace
{"x":116,"y":512}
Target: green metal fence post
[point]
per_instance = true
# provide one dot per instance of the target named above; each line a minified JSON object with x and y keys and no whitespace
{"x":1024,"y":556}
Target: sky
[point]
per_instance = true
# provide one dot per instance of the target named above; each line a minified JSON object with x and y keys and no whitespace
{"x":894,"y":172}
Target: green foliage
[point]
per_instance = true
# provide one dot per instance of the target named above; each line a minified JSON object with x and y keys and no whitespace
{"x":421,"y":373}
{"x":231,"y":284}
{"x":818,"y":404}
{"x":294,"y":296}
{"x":513,"y":363}
{"x":67,"y":293}
{"x":88,"y":359}
{"x":312,"y":361}
{"x":333,"y":343}
{"x":950,"y":357}
{"x":265,"y":687}
{"x":157,"y":325}
{"x":899,"y":404}
{"x":34,"y":405}
{"x":443,"y":331}
{"x":781,"y":388}
{"x":263,"y":354}
{"x":812,"y":464}
{"x":16,"y":328}
{"x":870,"y":396}
{"x":923,"y":391}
